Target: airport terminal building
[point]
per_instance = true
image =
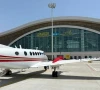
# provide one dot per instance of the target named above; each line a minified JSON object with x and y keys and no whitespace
{"x":73,"y":37}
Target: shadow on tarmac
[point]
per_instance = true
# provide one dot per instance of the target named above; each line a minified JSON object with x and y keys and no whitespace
{"x":69,"y":77}
{"x":15,"y":77}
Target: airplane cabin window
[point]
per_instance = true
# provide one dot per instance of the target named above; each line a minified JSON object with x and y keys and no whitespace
{"x":31,"y":53}
{"x":38,"y":53}
{"x":35,"y":53}
{"x":17,"y":53}
{"x":25,"y":53}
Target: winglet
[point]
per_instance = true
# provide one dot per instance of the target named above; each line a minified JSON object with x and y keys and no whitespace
{"x":57,"y":59}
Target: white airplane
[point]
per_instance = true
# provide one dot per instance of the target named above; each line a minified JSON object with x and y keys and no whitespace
{"x":19,"y":58}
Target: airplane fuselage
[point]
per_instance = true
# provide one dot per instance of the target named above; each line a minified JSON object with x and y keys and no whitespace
{"x":20,"y":58}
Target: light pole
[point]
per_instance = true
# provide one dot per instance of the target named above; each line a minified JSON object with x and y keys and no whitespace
{"x":52,"y":6}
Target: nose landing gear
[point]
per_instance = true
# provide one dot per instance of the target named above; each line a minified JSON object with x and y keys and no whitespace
{"x":46,"y":67}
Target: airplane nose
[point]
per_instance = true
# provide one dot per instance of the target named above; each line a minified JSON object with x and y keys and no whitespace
{"x":46,"y":57}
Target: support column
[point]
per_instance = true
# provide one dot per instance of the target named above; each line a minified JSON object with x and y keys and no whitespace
{"x":31,"y":41}
{"x":82,"y":40}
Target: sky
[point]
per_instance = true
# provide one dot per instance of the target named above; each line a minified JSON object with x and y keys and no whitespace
{"x":14,"y":13}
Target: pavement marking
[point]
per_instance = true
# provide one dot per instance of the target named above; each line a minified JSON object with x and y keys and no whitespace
{"x":92,"y":68}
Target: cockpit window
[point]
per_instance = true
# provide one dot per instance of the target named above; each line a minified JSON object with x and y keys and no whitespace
{"x":35,"y":53}
{"x":25,"y":53}
{"x":42,"y":53}
{"x":17,"y":53}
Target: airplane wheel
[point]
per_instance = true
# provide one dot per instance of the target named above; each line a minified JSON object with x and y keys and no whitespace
{"x":54,"y":74}
{"x":46,"y":67}
{"x":8,"y":72}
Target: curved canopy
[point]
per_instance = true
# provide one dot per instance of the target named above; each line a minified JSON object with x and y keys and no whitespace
{"x":10,"y":35}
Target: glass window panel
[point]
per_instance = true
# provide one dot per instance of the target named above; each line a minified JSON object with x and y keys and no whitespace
{"x":65,"y":40}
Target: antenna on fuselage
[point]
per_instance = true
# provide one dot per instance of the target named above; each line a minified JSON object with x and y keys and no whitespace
{"x":20,"y":46}
{"x":15,"y":46}
{"x":36,"y":48}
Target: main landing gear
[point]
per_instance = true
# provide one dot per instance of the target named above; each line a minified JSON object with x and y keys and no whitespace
{"x":7,"y":72}
{"x":46,"y":67}
{"x":55,"y":73}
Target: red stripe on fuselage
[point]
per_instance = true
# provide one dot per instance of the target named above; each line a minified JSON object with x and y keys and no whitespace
{"x":17,"y":60}
{"x":10,"y":57}
{"x":13,"y":57}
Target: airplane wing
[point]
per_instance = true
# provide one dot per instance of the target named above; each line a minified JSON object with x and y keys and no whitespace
{"x":50,"y":63}
{"x":60,"y":62}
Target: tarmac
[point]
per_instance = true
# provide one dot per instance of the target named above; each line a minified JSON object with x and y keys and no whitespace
{"x":74,"y":76}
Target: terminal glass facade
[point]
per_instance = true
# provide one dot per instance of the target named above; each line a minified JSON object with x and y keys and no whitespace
{"x":64,"y":40}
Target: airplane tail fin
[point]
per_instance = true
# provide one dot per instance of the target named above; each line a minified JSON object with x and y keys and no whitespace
{"x":58,"y":59}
